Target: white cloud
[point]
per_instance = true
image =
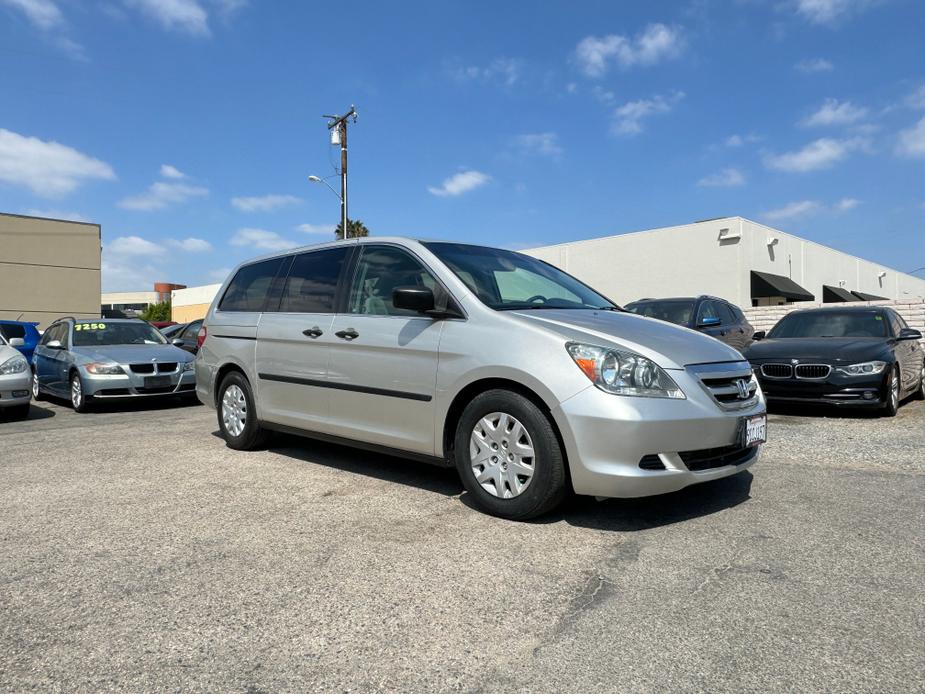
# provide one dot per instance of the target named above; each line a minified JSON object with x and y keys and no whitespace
{"x":792,"y":211}
{"x":917,"y":98}
{"x":264,"y":203}
{"x":327,"y":229}
{"x":912,"y":141}
{"x":546,"y":144}
{"x":262,"y":239}
{"x":168,"y":171}
{"x":835,"y":112}
{"x":127,"y":274}
{"x":56,"y":214}
{"x":727,"y":178}
{"x":187,"y":16}
{"x":813,"y":65}
{"x":739,"y":140}
{"x":47,"y":168}
{"x":819,"y":154}
{"x":460,"y":183}
{"x":830,"y":11}
{"x":159,"y":195}
{"x":655,"y":43}
{"x":846,"y":204}
{"x":505,"y":71}
{"x":43,"y":14}
{"x":191,"y":245}
{"x":628,"y":118}
{"x":134,"y":246}
{"x":605,"y":96}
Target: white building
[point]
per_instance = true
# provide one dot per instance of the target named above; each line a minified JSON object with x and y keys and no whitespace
{"x":734,"y":258}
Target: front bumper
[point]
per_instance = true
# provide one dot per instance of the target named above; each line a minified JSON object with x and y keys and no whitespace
{"x":607,"y":437}
{"x":134,"y":385}
{"x":836,"y":389}
{"x":15,"y":389}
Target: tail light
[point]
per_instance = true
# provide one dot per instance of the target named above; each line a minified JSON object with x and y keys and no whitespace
{"x":201,"y":336}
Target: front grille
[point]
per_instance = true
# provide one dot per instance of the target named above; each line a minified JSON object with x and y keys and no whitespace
{"x":813,"y":370}
{"x":776,"y":370}
{"x":651,"y":462}
{"x":167,"y":367}
{"x":731,"y":385}
{"x":147,"y":368}
{"x":710,"y":458}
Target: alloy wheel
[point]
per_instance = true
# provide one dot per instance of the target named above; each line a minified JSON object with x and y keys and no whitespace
{"x":501,"y":455}
{"x":77,"y":394}
{"x":234,"y":410}
{"x":36,"y":391}
{"x":894,"y":391}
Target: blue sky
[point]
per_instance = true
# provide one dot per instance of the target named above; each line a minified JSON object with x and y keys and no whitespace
{"x":187,"y":128}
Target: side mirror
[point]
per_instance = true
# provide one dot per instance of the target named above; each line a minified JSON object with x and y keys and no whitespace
{"x":909,"y":334}
{"x":55,"y":344}
{"x":420,"y":299}
{"x":17,"y":342}
{"x":759,"y":335}
{"x":709,"y":322}
{"x":176,"y":341}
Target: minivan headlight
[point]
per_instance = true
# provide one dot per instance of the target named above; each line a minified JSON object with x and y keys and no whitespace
{"x":623,"y":373}
{"x":14,"y":365}
{"x":863,"y":369}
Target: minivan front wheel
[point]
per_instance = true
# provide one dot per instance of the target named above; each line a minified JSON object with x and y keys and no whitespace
{"x":508,"y":456}
{"x":237,"y":416}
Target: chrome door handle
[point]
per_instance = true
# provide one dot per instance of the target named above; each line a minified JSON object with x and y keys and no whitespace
{"x":313,"y":332}
{"x":348,"y":334}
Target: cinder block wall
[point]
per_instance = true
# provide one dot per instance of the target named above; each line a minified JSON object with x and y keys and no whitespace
{"x":766,"y":317}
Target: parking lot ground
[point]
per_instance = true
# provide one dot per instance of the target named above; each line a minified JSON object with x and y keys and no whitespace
{"x":138,"y":553}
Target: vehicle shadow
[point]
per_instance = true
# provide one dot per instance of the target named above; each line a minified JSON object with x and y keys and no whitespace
{"x":149,"y":404}
{"x":35,"y":412}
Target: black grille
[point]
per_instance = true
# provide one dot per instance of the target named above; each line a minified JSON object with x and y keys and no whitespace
{"x":142,"y":368}
{"x":651,"y":462}
{"x":813,"y":370}
{"x":709,"y":458}
{"x":777,"y":370}
{"x":167,"y":367}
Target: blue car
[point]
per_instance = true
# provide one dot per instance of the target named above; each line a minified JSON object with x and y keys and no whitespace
{"x":27,"y":332}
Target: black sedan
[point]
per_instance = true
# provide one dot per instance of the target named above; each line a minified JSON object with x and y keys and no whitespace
{"x":861,"y":357}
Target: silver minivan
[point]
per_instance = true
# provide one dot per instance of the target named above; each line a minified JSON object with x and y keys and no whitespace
{"x":525,"y":379}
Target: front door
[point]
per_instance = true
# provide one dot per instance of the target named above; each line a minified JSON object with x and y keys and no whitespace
{"x":383,"y":368}
{"x":294,"y":341}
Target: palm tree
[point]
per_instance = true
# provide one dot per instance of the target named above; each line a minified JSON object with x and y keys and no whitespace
{"x":354,"y":226}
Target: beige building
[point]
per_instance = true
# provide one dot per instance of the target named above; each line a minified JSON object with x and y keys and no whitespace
{"x":192,"y":303}
{"x":48,"y":268}
{"x":744,"y":262}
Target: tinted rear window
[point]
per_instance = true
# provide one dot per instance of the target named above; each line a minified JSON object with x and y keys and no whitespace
{"x":678,"y":312}
{"x":312,"y":282}
{"x":10,"y":331}
{"x":248,"y":290}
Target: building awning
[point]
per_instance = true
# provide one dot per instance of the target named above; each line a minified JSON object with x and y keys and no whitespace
{"x":868,"y":297}
{"x":764,"y":284}
{"x":834,"y":295}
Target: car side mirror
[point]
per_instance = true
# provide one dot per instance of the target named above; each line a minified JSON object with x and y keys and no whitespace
{"x":55,"y":344}
{"x":177,"y":341}
{"x":709,"y":322}
{"x":759,"y":335}
{"x":909,"y":334}
{"x":420,"y":299}
{"x":17,"y":342}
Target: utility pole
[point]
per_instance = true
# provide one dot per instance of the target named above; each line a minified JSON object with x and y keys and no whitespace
{"x":338,"y":127}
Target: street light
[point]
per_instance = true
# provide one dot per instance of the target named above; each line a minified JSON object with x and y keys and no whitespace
{"x":318,"y":179}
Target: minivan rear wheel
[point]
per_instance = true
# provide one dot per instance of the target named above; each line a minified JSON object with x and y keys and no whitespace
{"x":237,"y":416}
{"x":508,"y":456}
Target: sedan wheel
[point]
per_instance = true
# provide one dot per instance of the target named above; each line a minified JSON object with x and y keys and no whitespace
{"x":920,"y":393}
{"x":79,"y":401}
{"x":36,"y":388}
{"x":891,"y":406}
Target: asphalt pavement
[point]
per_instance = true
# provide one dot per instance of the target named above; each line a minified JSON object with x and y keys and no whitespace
{"x":138,"y":553}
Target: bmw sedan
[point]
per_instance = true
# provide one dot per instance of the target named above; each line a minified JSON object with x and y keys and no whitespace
{"x":853,"y":357}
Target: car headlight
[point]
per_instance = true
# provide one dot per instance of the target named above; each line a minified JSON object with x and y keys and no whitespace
{"x":14,"y":365}
{"x":623,"y":373}
{"x":104,"y":369}
{"x":863,"y":369}
{"x":189,"y":366}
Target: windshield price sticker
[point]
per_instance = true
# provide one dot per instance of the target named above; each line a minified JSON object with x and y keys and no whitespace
{"x":89,"y":326}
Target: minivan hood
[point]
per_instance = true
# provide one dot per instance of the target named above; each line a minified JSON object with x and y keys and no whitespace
{"x":822,"y":349}
{"x":668,"y":345}
{"x":132,"y":354}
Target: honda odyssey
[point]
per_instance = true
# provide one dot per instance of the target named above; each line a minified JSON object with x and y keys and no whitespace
{"x":529,"y":382}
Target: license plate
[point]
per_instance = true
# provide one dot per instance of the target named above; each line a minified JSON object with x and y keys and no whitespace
{"x":754,"y":430}
{"x":157,"y":382}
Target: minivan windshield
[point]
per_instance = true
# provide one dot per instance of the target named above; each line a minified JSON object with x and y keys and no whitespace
{"x":674,"y":311}
{"x":831,"y":324}
{"x":508,"y":281}
{"x":103,"y":333}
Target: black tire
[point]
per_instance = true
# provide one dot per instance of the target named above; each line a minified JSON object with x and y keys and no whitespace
{"x":920,"y":393}
{"x":253,"y":436}
{"x":548,"y":485}
{"x":37,"y":393}
{"x":81,"y":403}
{"x":890,"y":396}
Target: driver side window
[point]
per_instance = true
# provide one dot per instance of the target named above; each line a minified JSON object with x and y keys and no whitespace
{"x":379,"y":271}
